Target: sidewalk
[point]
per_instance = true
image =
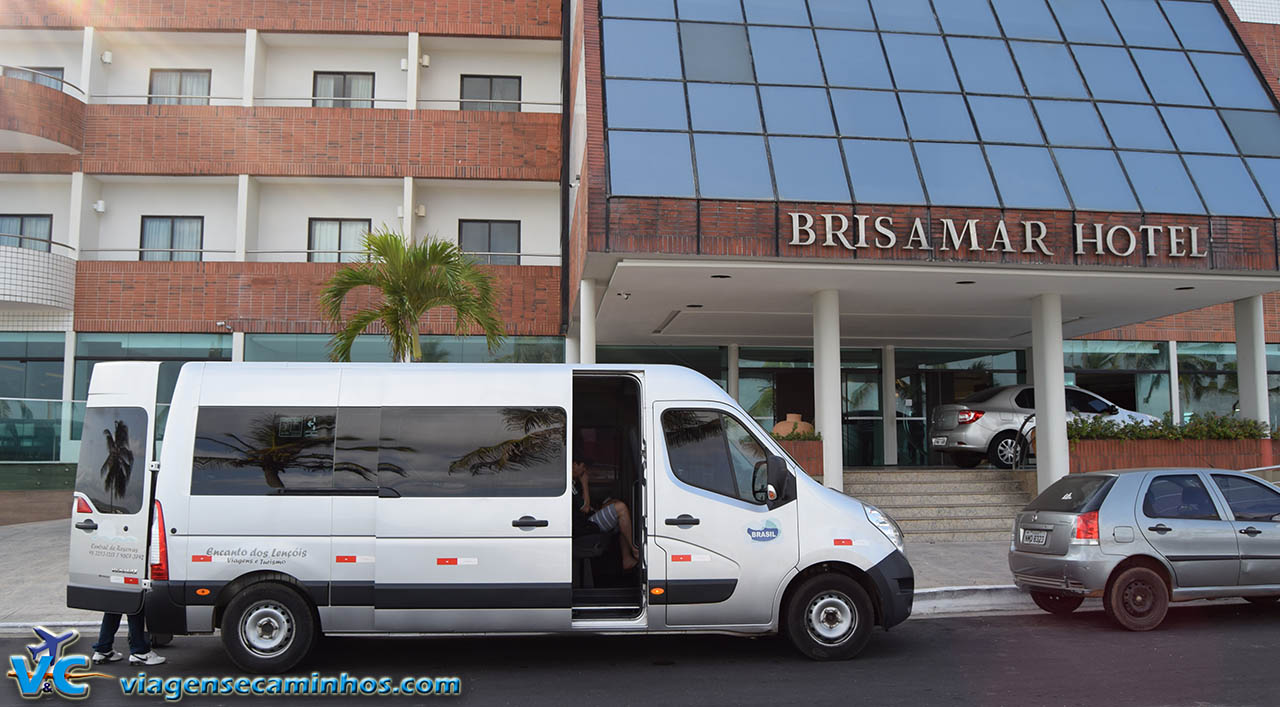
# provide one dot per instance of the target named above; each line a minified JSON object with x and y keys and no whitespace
{"x":950,"y":578}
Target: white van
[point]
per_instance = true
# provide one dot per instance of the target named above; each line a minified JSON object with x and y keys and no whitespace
{"x":292,"y":500}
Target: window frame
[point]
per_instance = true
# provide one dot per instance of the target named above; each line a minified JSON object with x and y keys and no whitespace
{"x":168,"y":253}
{"x":179,"y":97}
{"x":344,"y":101}
{"x":1146,"y":491}
{"x":61,"y":74}
{"x":311,"y":235}
{"x":516,"y":107}
{"x":768,"y":451}
{"x":22,"y":237}
{"x":490,"y":254}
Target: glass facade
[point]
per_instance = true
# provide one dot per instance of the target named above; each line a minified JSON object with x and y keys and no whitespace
{"x":1107,"y":105}
{"x":372,"y":348}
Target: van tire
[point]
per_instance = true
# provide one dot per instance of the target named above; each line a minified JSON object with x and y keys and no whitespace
{"x":829,"y":617}
{"x":1137,"y":599}
{"x":1007,"y":449}
{"x":286,"y":628}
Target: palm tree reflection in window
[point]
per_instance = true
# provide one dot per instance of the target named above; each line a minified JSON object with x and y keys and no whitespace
{"x":118,"y":465}
{"x":541,"y":440}
{"x":276,"y":444}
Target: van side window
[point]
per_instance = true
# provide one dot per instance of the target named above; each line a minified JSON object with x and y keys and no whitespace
{"x":712,"y":451}
{"x":251,"y":451}
{"x":473,"y":451}
{"x":113,"y":459}
{"x":355,"y":455}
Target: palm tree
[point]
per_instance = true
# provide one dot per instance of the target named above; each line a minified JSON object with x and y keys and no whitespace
{"x":541,"y":439}
{"x":413,"y":279}
{"x":118,"y":465}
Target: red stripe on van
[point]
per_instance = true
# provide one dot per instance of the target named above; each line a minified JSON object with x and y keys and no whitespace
{"x":682,"y":558}
{"x":345,"y":558}
{"x":130,"y":580}
{"x":201,"y":558}
{"x":446,"y":560}
{"x":844,"y":541}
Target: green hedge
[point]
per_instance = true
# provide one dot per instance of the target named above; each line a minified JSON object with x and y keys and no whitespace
{"x":1200,"y":426}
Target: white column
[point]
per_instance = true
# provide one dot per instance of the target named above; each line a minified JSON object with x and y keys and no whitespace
{"x":237,"y":346}
{"x":571,"y":349}
{"x":76,"y":216}
{"x":406,"y":224}
{"x":1251,"y":360}
{"x":1052,"y":462}
{"x":411,"y":77}
{"x":587,"y":327}
{"x":249,"y":85}
{"x":732,"y":382}
{"x":826,"y":385}
{"x":1175,"y":389}
{"x":246,"y":216}
{"x":68,"y":389}
{"x":889,"y":403}
{"x":89,"y":62}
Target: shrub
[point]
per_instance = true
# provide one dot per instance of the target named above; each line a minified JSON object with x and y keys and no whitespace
{"x":1200,"y":426}
{"x":796,"y":435}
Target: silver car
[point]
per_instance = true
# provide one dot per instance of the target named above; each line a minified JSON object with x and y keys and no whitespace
{"x":993,"y":424}
{"x":1141,"y":539}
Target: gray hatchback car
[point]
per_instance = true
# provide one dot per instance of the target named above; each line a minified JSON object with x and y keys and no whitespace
{"x":1143,"y":538}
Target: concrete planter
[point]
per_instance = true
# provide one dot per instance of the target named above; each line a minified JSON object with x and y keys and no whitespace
{"x":1104,"y":454}
{"x":808,"y":453}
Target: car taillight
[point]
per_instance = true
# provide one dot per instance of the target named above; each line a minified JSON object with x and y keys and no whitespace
{"x":967,"y":417}
{"x":1086,"y":529}
{"x":82,"y":506}
{"x":159,"y":547}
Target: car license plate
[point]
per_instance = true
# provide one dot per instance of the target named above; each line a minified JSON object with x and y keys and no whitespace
{"x":1035,"y":537}
{"x":939,"y":441}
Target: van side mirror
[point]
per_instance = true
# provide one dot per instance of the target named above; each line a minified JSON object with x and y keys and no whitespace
{"x":760,"y":482}
{"x":780,"y":478}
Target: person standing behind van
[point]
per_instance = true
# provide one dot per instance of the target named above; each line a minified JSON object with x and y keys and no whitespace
{"x":612,"y":515}
{"x":140,"y":652}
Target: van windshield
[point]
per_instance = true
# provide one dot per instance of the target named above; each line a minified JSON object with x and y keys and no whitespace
{"x":1070,"y":494}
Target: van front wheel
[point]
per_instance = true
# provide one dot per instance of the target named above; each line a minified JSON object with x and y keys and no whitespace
{"x":267,"y":628}
{"x":829,"y":617}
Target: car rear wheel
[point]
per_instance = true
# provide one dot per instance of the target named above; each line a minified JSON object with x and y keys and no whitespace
{"x":268,"y":628}
{"x":1061,"y":604}
{"x":966,"y":460}
{"x":830,"y":617}
{"x":1007,"y":450}
{"x":1137,"y":599}
{"x":1262,"y":601}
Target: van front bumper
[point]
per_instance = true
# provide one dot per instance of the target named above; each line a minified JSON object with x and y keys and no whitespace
{"x":164,"y":613}
{"x":895,"y":582}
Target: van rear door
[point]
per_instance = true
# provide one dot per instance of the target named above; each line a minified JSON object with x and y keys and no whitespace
{"x":112,"y":507}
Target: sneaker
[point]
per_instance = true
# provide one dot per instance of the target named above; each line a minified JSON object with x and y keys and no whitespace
{"x":148,"y":658}
{"x":100,"y":658}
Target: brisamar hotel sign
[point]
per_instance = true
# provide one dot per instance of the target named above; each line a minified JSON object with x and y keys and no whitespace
{"x":838,"y":231}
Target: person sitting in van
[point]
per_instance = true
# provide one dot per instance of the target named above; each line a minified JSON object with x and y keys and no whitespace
{"x":612,"y":515}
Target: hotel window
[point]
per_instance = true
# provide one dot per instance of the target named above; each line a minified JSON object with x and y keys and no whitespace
{"x":337,"y":240}
{"x":52,"y":75}
{"x":477,"y":90}
{"x":487,"y":240}
{"x":179,"y":87}
{"x":32,"y":232}
{"x":177,"y":238}
{"x":342,"y":90}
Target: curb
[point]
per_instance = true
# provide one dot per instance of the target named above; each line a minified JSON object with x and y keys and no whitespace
{"x":946,"y":601}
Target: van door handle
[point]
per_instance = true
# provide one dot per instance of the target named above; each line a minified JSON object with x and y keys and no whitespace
{"x":1251,"y":531}
{"x":682,"y":520}
{"x":88,"y":524}
{"x":528,"y":522}
{"x":1161,"y":529}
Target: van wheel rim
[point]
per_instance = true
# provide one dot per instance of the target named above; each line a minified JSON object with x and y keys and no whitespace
{"x":1138,"y":600}
{"x":1007,"y":450}
{"x":267,"y":629}
{"x":832,"y":618}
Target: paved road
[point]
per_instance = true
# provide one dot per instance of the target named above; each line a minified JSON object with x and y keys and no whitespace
{"x":1221,"y":654}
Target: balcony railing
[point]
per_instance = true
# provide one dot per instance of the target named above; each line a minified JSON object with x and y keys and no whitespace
{"x":44,"y":245}
{"x":49,"y":80}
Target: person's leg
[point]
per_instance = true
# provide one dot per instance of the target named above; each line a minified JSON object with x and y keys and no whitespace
{"x":107,"y":633}
{"x":139,"y":641}
{"x":630,"y":554}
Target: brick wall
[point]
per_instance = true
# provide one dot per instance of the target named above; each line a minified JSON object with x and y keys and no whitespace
{"x":27,"y":107}
{"x":129,"y":296}
{"x":1105,"y":454}
{"x":535,"y":19}
{"x":1215,"y":323}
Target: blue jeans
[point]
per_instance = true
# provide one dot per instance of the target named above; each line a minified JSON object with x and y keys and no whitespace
{"x":139,"y":641}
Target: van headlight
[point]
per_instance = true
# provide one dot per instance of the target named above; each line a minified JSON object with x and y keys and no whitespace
{"x":881,"y":520}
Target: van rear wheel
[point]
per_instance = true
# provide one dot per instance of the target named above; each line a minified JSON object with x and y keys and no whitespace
{"x":829,"y":617}
{"x":268,"y":628}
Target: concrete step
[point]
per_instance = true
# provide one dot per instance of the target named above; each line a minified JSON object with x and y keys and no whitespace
{"x":971,"y":524}
{"x":954,"y":536}
{"x":931,"y":475}
{"x":908,"y":488}
{"x":976,"y":510}
{"x":950,"y":498}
